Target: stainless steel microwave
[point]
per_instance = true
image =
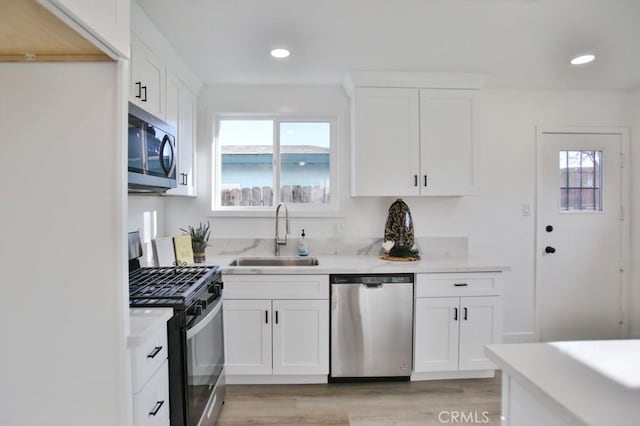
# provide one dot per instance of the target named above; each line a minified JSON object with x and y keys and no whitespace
{"x":152,"y":153}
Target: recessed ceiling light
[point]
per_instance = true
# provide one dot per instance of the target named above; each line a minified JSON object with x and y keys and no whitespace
{"x":280,"y":53}
{"x":583,"y":59}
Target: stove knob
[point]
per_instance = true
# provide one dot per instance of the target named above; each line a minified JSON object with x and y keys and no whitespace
{"x":215,"y":288}
{"x":195,"y":310}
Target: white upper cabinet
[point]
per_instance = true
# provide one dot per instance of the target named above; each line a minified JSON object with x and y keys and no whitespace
{"x":165,"y":87}
{"x":181,"y":114}
{"x":412,"y":141}
{"x":106,"y":21}
{"x":147,"y":88}
{"x":446,"y":142}
{"x":386,"y":147}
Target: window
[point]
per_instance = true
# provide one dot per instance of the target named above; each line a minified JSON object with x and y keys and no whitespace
{"x":262,"y":161}
{"x":581,"y":180}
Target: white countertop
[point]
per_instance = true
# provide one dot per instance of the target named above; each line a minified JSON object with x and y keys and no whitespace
{"x":145,"y":321}
{"x":591,"y":382}
{"x":365,"y":264}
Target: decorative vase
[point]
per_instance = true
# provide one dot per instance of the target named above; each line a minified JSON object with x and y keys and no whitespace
{"x":399,"y":227}
{"x":199,"y":255}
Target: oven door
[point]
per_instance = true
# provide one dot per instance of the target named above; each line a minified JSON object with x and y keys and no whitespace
{"x":205,"y":362}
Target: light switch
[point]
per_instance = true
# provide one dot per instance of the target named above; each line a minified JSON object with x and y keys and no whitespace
{"x":526,"y":210}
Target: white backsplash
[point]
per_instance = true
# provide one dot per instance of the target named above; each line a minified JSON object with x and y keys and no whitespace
{"x":428,"y":246}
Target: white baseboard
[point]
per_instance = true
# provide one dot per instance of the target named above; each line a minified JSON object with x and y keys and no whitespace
{"x":446,"y":375}
{"x":519,"y":337}
{"x":274,"y":380}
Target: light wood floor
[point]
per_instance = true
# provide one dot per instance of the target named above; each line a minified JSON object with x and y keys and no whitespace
{"x":424,"y":403}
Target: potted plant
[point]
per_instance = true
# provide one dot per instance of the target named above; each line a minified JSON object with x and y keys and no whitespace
{"x":199,"y":240}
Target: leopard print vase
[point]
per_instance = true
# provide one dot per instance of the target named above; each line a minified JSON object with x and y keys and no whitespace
{"x":399,"y":227}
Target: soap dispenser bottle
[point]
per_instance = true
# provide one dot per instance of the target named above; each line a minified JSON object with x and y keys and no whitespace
{"x":302,"y":245}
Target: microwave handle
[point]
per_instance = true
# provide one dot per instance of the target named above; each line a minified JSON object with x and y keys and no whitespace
{"x":166,"y":140}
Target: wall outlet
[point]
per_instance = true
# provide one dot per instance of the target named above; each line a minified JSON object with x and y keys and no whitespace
{"x":339,"y":228}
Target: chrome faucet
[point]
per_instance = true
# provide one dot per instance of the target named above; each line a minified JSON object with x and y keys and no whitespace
{"x":278,"y":241}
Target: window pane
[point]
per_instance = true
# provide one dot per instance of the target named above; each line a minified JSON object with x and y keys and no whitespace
{"x":580,"y":180}
{"x":304,"y":162}
{"x":246,"y":173}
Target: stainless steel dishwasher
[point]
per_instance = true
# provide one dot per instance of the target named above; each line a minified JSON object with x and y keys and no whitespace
{"x":371,"y":326}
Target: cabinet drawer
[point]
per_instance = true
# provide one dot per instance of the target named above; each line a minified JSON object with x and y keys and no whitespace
{"x":276,"y":287}
{"x":468,"y":284}
{"x":148,"y":357}
{"x":151,"y":404}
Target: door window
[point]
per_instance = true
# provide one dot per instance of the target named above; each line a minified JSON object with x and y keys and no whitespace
{"x":580,"y":181}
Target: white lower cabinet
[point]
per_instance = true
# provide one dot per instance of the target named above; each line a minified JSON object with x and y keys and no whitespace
{"x":300,"y":337}
{"x":247,"y":336}
{"x":149,"y":366}
{"x":451,"y":332}
{"x":151,"y":404}
{"x":276,"y":337}
{"x":436,"y":339}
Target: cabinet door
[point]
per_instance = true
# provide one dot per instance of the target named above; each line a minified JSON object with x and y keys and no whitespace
{"x":106,"y":20}
{"x":153,"y":398}
{"x":186,"y":160}
{"x":181,"y":114}
{"x":386,"y":152}
{"x":436,"y":334}
{"x":147,"y":79}
{"x":479,"y":326}
{"x":301,"y":337}
{"x":446,"y":142}
{"x":247,"y":336}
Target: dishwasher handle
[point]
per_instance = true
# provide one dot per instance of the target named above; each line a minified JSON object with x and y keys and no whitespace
{"x":376,"y":285}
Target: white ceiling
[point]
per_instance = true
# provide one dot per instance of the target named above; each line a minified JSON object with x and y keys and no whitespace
{"x":519,"y":43}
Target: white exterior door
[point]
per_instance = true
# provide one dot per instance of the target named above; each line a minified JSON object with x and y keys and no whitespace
{"x":436,"y":334}
{"x":579,"y":248}
{"x":247,"y":336}
{"x":479,"y":326}
{"x":301,"y":337}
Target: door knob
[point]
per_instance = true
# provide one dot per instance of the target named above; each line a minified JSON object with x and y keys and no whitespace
{"x":549,"y":249}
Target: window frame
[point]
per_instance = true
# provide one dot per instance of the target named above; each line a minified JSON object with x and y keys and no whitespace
{"x":601,"y":186}
{"x":299,"y":209}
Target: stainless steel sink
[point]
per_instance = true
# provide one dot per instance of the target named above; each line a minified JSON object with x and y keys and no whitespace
{"x":275,"y":261}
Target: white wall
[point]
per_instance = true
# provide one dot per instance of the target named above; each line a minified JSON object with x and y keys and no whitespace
{"x":63,"y":316}
{"x":492,"y":220}
{"x":146,"y":214}
{"x":635,"y":217}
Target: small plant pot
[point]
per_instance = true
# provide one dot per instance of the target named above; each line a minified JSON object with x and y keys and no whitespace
{"x":199,"y":255}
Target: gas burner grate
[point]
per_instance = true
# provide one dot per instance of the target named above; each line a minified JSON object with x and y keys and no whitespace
{"x":168,"y":283}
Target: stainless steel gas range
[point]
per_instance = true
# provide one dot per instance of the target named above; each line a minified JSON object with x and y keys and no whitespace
{"x":195,"y":339}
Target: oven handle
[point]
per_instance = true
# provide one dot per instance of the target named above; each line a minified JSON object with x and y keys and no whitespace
{"x":206,"y":320}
